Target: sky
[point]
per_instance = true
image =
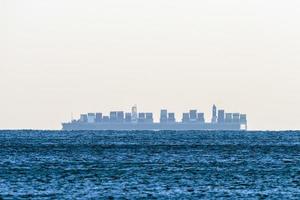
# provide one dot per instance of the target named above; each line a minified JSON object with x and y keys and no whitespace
{"x":68,"y":56}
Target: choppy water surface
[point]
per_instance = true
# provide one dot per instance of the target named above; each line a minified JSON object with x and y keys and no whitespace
{"x":149,"y":165}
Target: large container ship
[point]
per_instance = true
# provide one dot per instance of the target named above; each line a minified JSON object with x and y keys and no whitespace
{"x":192,"y":120}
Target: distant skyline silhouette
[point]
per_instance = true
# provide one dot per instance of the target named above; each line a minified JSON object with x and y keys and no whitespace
{"x":66,"y":56}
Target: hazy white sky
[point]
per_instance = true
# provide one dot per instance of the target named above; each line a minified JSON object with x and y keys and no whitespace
{"x":63,"y":56}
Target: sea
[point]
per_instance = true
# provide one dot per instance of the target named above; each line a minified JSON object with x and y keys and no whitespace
{"x":149,"y":165}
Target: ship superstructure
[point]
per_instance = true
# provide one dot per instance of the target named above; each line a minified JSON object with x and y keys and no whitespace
{"x":134,"y":120}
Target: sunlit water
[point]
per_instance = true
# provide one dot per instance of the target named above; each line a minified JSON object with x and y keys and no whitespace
{"x":149,"y":165}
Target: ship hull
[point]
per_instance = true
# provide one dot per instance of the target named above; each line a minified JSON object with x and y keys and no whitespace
{"x":151,"y":126}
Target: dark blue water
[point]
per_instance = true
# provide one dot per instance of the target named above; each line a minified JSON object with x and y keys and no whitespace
{"x":149,"y":165}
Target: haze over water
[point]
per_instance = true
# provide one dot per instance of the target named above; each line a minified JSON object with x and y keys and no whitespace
{"x":71,"y":56}
{"x":63,"y":58}
{"x":151,"y":165}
